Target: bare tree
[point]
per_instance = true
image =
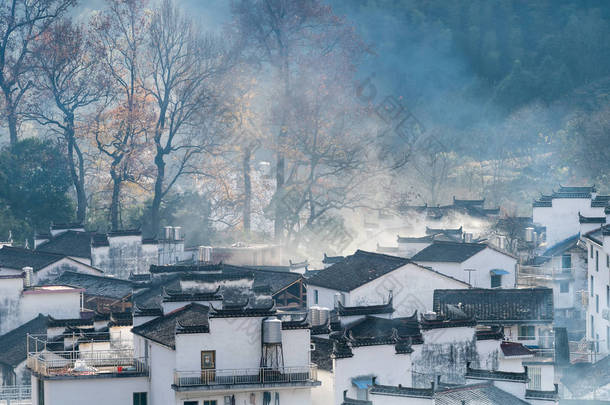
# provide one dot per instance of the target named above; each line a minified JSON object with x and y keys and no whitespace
{"x":120,"y":127}
{"x":67,"y":82}
{"x":279,"y":33}
{"x":22,"y":22}
{"x":183,"y":64}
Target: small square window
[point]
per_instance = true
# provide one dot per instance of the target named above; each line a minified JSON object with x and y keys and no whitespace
{"x":496,"y":281}
{"x":191,"y":403}
{"x":209,"y":402}
{"x":140,"y":398}
{"x":564,"y":287}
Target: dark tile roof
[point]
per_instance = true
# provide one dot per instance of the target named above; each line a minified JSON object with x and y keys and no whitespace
{"x":163,"y":329}
{"x":454,"y":252}
{"x":98,"y":286}
{"x":455,"y":232}
{"x":72,"y":322}
{"x":542,"y":395}
{"x":356,"y":270}
{"x":18,"y":258}
{"x":69,"y":243}
{"x":499,"y":306}
{"x":479,"y":394}
{"x":125,"y":232}
{"x":597,"y":235}
{"x":577,"y":189}
{"x":332,"y":259}
{"x":415,"y":239}
{"x":600,"y":201}
{"x":492,"y":333}
{"x":591,"y":220}
{"x":70,"y":225}
{"x":375,"y":327}
{"x":14,"y":343}
{"x":562,"y":246}
{"x":515,"y":349}
{"x":468,"y":202}
{"x":584,"y":378}
{"x":400,"y":391}
{"x":321,"y":355}
{"x":170,"y":295}
{"x":366,"y":309}
{"x":276,"y":280}
{"x":479,"y":374}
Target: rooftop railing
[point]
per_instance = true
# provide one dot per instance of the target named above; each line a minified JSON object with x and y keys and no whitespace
{"x":245,"y":376}
{"x":532,"y":273}
{"x":71,"y":363}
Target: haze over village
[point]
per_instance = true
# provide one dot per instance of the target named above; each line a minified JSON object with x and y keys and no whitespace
{"x":304,"y":202}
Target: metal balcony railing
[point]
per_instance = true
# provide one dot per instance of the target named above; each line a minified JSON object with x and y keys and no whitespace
{"x":16,"y":394}
{"x":541,"y":272}
{"x":245,"y":376}
{"x":75,"y":363}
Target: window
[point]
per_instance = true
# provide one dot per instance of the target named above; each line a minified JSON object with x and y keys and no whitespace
{"x":608,"y":296}
{"x":496,"y":281}
{"x":608,"y":261}
{"x":191,"y":403}
{"x":591,"y":251}
{"x":535,"y":378}
{"x":597,"y":343}
{"x":566,"y":261}
{"x":140,"y":398}
{"x":527,"y":332}
{"x":229,"y":399}
{"x":209,"y":402}
{"x":277,"y":398}
{"x":592,"y":285}
{"x":592,"y":324}
{"x":597,"y":303}
{"x":597,"y":260}
{"x":316,"y":296}
{"x":564,"y":287}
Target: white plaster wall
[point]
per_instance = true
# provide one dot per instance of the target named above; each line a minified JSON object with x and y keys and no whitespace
{"x":66,"y":264}
{"x":93,"y":391}
{"x":237,"y":342}
{"x":380,"y":361}
{"x":326,"y":297}
{"x":412,"y":287}
{"x":10,"y":292}
{"x":547,"y":373}
{"x":513,"y":364}
{"x":59,"y":305}
{"x":601,"y":281}
{"x":296,"y":344}
{"x":485,"y":261}
{"x":488,"y":352}
{"x":325,"y":393}
{"x":162,"y":366}
{"x":561,"y":220}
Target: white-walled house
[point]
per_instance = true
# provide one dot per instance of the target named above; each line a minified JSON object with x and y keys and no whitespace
{"x":559,"y":212}
{"x":478,"y":264}
{"x":367,"y":278}
{"x":194,"y":354}
{"x":562,"y":267}
{"x":598,"y":289}
{"x":526,"y":314}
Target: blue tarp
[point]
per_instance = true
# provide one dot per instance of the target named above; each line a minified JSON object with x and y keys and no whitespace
{"x":362,"y":382}
{"x":499,"y":272}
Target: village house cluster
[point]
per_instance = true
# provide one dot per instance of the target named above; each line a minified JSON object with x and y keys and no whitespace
{"x":451,"y":316}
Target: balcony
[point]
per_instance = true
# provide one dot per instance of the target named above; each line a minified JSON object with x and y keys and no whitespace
{"x":218,"y":379}
{"x":529,"y":275}
{"x":90,"y":357}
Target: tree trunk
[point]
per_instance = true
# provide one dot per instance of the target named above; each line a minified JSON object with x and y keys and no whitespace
{"x":116,"y":194}
{"x":156,"y":203}
{"x":11,"y":117}
{"x":281,"y":162}
{"x":247,"y":191}
{"x":78,"y":178}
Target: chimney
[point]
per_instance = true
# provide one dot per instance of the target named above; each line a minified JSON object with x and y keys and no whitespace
{"x":29,"y":275}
